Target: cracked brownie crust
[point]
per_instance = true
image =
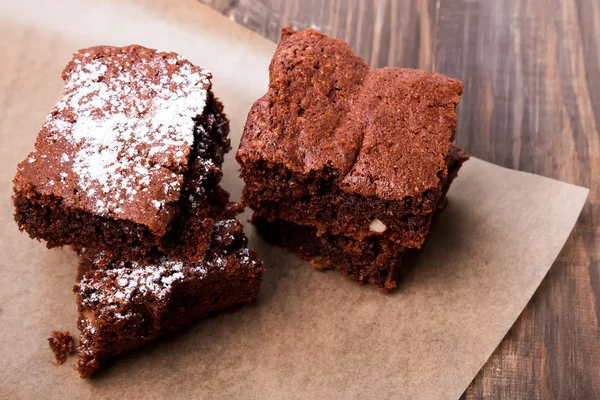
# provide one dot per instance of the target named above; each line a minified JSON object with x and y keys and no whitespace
{"x":336,"y":145}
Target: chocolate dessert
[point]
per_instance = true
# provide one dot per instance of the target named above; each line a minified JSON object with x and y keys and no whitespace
{"x":346,"y":150}
{"x":126,"y":171}
{"x":128,"y":160}
{"x":126,"y":304}
{"x":374,"y":259}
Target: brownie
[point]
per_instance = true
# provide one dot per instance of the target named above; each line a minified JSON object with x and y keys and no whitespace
{"x":379,"y":262}
{"x":374,"y":259}
{"x":62,"y":345}
{"x":346,"y":149}
{"x":129,"y":160}
{"x":126,"y":304}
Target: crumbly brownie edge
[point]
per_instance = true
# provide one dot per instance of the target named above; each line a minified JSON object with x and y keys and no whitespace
{"x":226,"y":236}
{"x":214,"y":126}
{"x":118,"y":314}
{"x":201,"y":197}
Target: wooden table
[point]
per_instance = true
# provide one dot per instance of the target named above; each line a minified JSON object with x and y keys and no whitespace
{"x":531,"y":70}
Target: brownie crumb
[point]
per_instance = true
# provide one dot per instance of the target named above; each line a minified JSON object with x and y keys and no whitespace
{"x":62,"y":345}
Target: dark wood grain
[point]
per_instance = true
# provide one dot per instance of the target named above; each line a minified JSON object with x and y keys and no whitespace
{"x":382,"y":32}
{"x":532,"y":102}
{"x":531,"y":70}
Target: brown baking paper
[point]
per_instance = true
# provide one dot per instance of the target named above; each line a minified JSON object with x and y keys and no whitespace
{"x":311,"y":334}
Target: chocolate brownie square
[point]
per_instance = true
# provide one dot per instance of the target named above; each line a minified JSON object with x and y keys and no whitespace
{"x":374,"y":259}
{"x":128,"y":161}
{"x":124,"y":305}
{"x":345,"y":149}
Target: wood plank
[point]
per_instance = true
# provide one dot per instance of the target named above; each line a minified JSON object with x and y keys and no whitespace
{"x":532,"y":102}
{"x":383,"y":32}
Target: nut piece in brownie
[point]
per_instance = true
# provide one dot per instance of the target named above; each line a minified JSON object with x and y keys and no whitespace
{"x":374,"y":259}
{"x":124,"y":305}
{"x":128,"y":160}
{"x":347,"y":149}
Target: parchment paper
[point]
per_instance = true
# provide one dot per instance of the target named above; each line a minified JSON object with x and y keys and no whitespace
{"x":311,"y":334}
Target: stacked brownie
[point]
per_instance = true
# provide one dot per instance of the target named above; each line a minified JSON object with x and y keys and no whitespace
{"x":126,"y":170}
{"x":347,"y":165}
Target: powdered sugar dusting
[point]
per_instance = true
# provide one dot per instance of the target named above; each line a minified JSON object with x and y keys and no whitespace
{"x":131,"y":123}
{"x":114,"y":293}
{"x":118,"y":293}
{"x":244,"y":257}
{"x":222,"y":230}
{"x":121,"y":284}
{"x":113,"y":288}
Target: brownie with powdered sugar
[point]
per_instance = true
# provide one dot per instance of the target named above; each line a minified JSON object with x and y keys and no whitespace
{"x":124,"y":304}
{"x":129,"y":160}
{"x":126,"y":171}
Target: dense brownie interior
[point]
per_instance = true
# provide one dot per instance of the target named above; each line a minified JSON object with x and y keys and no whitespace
{"x":275,"y":193}
{"x":372,"y":259}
